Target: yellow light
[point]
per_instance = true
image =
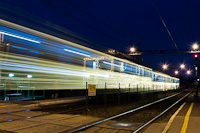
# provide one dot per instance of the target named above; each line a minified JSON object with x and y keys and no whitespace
{"x":132,"y":49}
{"x":164,"y":66}
{"x":176,"y":72}
{"x":182,"y":66}
{"x":188,"y":72}
{"x":195,"y":46}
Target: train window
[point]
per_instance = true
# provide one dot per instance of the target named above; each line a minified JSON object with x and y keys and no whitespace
{"x":128,"y":68}
{"x":89,"y":64}
{"x":168,"y":80}
{"x":146,"y":73}
{"x":117,"y":66}
{"x":106,"y":65}
{"x":142,"y":71}
{"x":134,"y":69}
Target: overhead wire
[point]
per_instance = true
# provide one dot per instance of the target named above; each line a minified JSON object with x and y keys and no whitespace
{"x":163,"y":22}
{"x":39,"y":21}
{"x":99,"y":20}
{"x":79,"y":20}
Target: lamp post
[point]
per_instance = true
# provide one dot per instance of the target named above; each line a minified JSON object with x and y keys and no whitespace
{"x":29,"y":76}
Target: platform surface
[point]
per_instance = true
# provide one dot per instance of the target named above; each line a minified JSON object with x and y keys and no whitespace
{"x":187,"y":120}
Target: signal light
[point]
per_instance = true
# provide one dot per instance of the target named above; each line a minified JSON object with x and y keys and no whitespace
{"x":195,"y":57}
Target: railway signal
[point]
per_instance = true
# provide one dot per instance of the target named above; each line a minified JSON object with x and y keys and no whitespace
{"x":195,"y":57}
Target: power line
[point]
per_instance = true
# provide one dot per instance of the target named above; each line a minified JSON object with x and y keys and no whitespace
{"x":35,"y":21}
{"x":98,"y":20}
{"x":165,"y":25}
{"x":79,"y":20}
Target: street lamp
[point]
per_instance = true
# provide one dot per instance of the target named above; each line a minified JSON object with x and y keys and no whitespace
{"x":195,"y":46}
{"x":164,"y":66}
{"x":182,"y":66}
{"x":176,"y":72}
{"x":188,"y":72}
{"x":132,"y":49}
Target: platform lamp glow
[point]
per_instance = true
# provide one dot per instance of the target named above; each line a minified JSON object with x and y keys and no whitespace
{"x":188,"y":72}
{"x":176,"y":72}
{"x":165,"y":66}
{"x":182,"y":66}
{"x":132,"y":49}
{"x":195,"y":46}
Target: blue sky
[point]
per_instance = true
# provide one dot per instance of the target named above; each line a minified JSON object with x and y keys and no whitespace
{"x":120,"y":24}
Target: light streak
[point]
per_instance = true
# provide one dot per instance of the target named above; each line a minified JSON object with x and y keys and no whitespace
{"x":11,"y":75}
{"x":36,"y":52}
{"x":77,"y":52}
{"x":19,"y":47}
{"x":32,"y":68}
{"x":27,"y":49}
{"x":19,"y":37}
{"x":29,"y":76}
{"x":111,"y":64}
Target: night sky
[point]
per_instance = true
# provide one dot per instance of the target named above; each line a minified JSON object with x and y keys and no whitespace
{"x":121,"y":24}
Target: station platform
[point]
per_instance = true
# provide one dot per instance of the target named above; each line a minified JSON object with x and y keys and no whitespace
{"x":185,"y":120}
{"x":17,"y":116}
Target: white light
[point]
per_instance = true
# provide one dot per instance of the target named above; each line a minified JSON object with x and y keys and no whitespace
{"x":132,"y":49}
{"x":11,"y":75}
{"x":111,"y":64}
{"x":164,"y":66}
{"x":176,"y":72}
{"x":19,"y":37}
{"x":188,"y":72}
{"x":23,"y":67}
{"x":29,"y":76}
{"x":195,"y":46}
{"x":77,"y":52}
{"x":182,"y":66}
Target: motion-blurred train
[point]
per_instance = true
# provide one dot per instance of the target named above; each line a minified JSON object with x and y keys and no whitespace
{"x":31,"y":60}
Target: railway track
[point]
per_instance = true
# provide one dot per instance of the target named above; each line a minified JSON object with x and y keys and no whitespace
{"x":119,"y":122}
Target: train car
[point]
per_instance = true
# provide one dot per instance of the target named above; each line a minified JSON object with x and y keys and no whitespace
{"x":31,"y":60}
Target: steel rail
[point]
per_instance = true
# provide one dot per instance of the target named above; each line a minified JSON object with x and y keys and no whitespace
{"x":121,"y":114}
{"x":144,"y":125}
